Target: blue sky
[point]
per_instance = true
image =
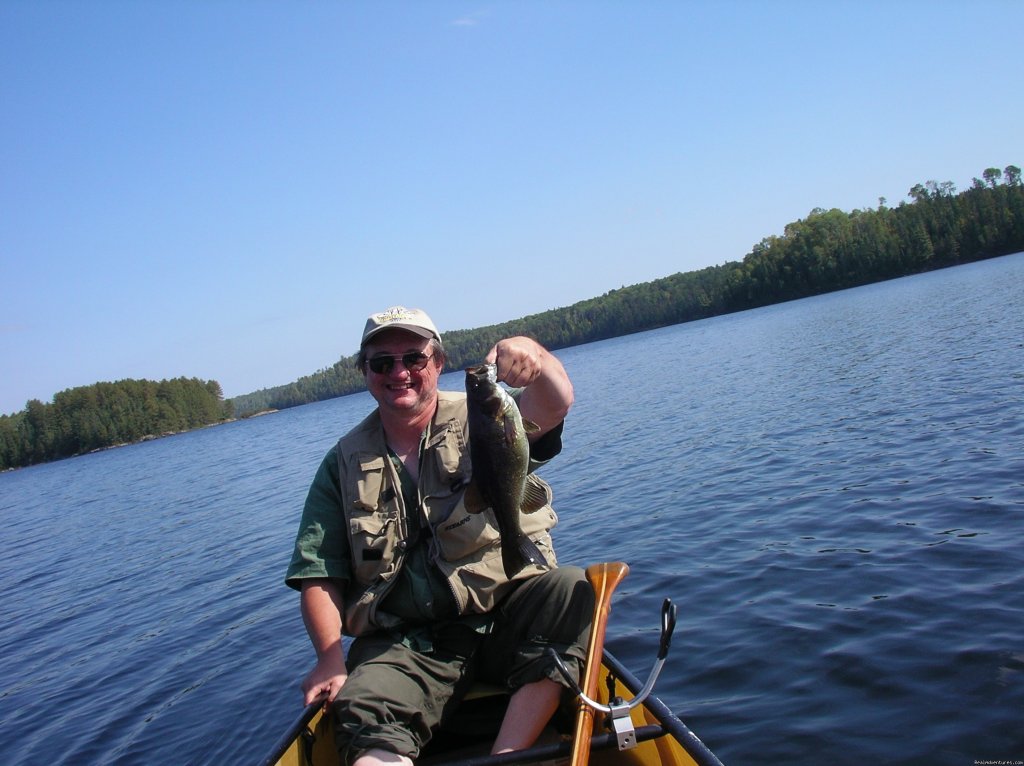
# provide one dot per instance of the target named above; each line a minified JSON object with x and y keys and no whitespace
{"x":225,"y":190}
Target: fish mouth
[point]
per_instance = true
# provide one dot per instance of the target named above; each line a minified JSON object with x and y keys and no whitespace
{"x":484,"y":372}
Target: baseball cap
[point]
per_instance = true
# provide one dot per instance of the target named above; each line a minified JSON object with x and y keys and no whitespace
{"x":399,"y":317}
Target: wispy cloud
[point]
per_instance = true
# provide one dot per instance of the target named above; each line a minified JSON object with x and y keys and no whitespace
{"x":469,"y":19}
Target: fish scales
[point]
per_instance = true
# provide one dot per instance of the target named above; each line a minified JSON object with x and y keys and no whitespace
{"x":500,"y":454}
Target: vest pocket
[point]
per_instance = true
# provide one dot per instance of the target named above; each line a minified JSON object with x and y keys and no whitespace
{"x":538,"y":523}
{"x":372,"y":536}
{"x":372,"y":520}
{"x":463,"y":534}
{"x":367,"y":482}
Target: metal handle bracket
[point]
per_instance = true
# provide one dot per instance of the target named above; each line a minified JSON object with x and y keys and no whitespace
{"x":618,"y":710}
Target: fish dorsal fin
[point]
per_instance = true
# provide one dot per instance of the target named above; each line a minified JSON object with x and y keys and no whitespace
{"x":534,"y":497}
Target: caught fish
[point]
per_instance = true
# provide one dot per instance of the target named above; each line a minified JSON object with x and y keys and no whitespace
{"x":501,"y":457}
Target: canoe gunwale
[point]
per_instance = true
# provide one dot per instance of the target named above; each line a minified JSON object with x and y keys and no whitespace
{"x":669,"y":724}
{"x":689,"y":741}
{"x":296,"y":731}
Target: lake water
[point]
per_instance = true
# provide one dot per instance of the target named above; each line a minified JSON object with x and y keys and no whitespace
{"x":831,"y":490}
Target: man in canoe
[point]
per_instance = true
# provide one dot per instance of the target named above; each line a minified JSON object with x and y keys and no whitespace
{"x":396,"y":549}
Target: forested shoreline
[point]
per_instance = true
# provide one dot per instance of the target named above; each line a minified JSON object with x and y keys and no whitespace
{"x":89,"y":418}
{"x":826,"y":251}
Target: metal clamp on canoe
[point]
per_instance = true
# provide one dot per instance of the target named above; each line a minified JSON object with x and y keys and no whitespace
{"x":618,"y":710}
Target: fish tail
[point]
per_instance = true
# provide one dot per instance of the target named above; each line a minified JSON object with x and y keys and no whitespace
{"x":517,"y":555}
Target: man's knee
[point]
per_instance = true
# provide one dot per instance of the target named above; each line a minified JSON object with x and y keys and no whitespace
{"x":564,"y":598}
{"x":378,"y":757}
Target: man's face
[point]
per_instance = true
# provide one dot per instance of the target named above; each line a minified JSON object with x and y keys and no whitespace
{"x":399,"y":389}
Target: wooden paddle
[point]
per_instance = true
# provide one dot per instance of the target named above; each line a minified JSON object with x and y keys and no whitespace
{"x":603,"y":578}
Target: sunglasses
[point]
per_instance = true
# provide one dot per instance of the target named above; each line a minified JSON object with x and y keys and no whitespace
{"x":414,"y":361}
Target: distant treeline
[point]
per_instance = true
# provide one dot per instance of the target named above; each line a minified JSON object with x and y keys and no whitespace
{"x":829,"y":250}
{"x":105,"y":414}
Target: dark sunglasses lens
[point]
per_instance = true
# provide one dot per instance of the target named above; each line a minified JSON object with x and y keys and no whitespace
{"x":415,"y":362}
{"x":382,"y":365}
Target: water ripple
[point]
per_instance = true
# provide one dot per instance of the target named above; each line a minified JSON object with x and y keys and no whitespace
{"x":830,"y":491}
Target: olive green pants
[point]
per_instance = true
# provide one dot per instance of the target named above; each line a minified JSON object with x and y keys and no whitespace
{"x":396,"y":697}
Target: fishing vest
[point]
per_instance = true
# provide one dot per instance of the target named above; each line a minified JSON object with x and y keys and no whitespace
{"x":464,"y":546}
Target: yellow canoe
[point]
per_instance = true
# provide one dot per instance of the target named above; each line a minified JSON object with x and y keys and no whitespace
{"x":661,"y":739}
